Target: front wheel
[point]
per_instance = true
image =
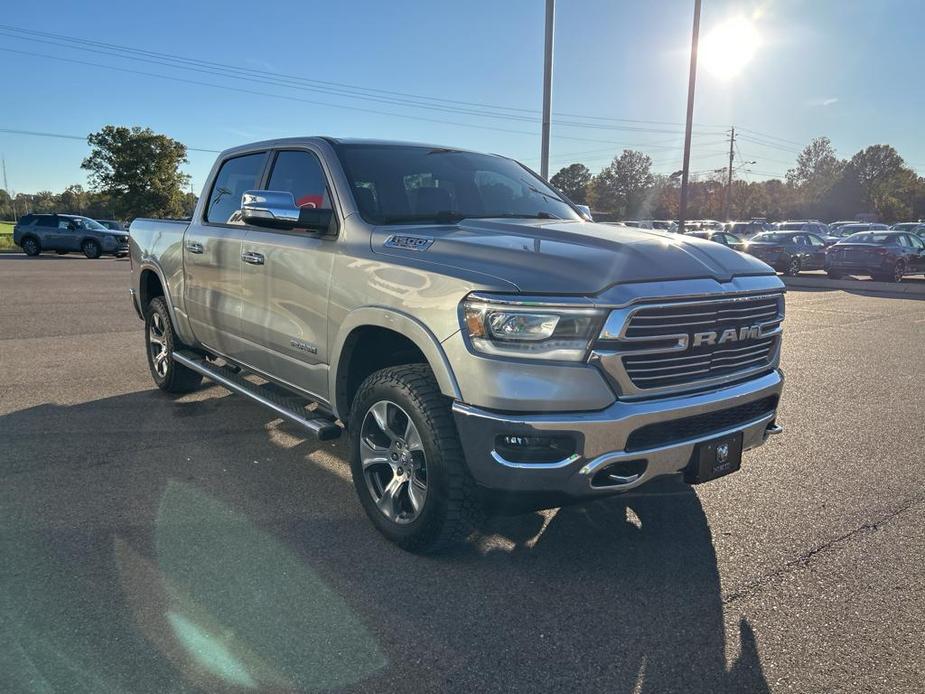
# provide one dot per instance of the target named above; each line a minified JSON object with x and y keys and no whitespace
{"x":894,"y":276}
{"x":161,"y":342}
{"x":407,"y":463}
{"x":91,"y":249}
{"x":792,"y":268}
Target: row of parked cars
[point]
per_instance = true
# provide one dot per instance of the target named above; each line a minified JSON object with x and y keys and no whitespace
{"x":67,"y":233}
{"x":848,"y":247}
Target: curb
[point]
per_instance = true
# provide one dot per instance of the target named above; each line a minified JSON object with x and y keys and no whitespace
{"x":910,"y":288}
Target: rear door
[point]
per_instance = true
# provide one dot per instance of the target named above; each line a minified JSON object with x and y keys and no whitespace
{"x":918,"y":247}
{"x":817,"y":251}
{"x":286,"y":279}
{"x":212,"y":257}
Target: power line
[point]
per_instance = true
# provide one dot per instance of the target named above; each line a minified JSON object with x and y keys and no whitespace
{"x":34,"y":133}
{"x":289,"y":97}
{"x":291,"y":82}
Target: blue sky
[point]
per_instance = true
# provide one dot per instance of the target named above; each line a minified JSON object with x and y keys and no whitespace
{"x":849,"y":69}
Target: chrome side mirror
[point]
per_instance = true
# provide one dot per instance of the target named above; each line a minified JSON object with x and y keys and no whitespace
{"x":277,"y":210}
{"x":585,"y":212}
{"x":269,"y":208}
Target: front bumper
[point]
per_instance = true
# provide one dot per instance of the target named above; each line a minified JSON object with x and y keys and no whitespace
{"x":601,"y":438}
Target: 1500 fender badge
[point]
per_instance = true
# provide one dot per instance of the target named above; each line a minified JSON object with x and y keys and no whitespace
{"x":409,"y":243}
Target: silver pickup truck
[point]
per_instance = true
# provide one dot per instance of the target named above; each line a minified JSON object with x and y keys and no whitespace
{"x":483,"y":345}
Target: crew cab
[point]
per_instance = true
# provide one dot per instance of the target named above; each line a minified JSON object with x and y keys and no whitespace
{"x":482,"y":345}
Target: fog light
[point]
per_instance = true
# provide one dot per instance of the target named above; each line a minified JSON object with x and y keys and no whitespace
{"x":518,"y":448}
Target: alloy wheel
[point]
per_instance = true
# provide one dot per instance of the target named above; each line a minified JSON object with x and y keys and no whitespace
{"x":794,"y":267}
{"x":157,"y":342}
{"x":30,"y":247}
{"x":393,"y":462}
{"x":898,"y":272}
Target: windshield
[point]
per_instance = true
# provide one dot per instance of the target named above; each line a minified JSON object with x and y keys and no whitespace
{"x":395,"y":184}
{"x":772,"y":238}
{"x":790,"y":226}
{"x":865,"y":237}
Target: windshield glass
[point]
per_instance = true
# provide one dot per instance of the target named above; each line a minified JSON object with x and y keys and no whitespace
{"x":790,"y":226}
{"x":772,"y":238}
{"x":395,"y":184}
{"x":90,"y":224}
{"x":865,"y":237}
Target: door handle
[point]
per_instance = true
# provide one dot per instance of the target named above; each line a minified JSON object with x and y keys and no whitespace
{"x":194,"y":247}
{"x":252,"y":258}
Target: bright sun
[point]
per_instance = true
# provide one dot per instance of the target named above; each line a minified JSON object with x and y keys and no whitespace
{"x":729,"y":47}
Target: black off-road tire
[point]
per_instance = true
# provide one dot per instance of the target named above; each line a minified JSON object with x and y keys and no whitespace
{"x":453,"y":508}
{"x":30,"y":246}
{"x":91,"y":249}
{"x":173,"y":377}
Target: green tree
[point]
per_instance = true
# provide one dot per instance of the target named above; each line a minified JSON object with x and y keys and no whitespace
{"x":884,"y":181}
{"x":139,"y":170}
{"x":817,"y":171}
{"x":623,"y":185}
{"x":573,"y":180}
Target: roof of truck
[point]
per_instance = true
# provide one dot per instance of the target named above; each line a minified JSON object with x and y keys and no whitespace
{"x":289,"y":141}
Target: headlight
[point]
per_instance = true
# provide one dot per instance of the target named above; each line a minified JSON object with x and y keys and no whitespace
{"x":534,"y":331}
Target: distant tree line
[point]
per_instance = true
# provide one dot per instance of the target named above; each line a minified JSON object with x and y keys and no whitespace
{"x":875,"y":183}
{"x":132,"y":172}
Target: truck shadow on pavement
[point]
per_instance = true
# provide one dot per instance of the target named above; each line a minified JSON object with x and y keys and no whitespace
{"x":158,"y":545}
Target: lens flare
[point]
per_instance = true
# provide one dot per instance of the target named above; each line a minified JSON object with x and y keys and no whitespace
{"x":729,"y":47}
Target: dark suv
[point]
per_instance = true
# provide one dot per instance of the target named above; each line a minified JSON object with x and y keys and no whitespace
{"x":789,"y":251}
{"x":64,"y":233}
{"x":887,"y":256}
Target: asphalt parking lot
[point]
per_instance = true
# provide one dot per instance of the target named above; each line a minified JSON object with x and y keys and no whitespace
{"x":157,"y":545}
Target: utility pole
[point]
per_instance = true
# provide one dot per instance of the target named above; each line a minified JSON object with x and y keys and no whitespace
{"x":547,"y":88}
{"x":692,"y":79}
{"x":6,"y":187}
{"x":732,"y":141}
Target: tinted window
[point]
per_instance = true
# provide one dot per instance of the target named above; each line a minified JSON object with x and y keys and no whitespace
{"x":235,"y":178}
{"x":916,"y":242}
{"x":425,"y":184}
{"x":27,"y":219}
{"x":47,"y":221}
{"x":773,"y":238}
{"x":791,"y":226}
{"x":903,"y":241}
{"x":300,"y":173}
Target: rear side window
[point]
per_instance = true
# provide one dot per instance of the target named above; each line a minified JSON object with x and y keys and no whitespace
{"x":916,"y":242}
{"x":48,"y":221}
{"x":236,"y":177}
{"x":26,"y":220}
{"x":300,"y":173}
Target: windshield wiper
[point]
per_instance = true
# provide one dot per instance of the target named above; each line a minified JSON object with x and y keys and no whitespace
{"x":441,"y":217}
{"x":535,"y":215}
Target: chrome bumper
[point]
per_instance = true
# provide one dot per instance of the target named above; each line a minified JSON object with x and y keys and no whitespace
{"x":602,"y":437}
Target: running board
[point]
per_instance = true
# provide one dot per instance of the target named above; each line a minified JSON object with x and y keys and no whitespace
{"x":290,"y":408}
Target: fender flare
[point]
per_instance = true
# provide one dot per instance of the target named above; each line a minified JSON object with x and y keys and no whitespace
{"x":142,"y":300}
{"x":404,"y":324}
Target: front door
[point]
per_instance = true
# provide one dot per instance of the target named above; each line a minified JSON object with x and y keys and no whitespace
{"x":286,"y":277}
{"x":212,"y":258}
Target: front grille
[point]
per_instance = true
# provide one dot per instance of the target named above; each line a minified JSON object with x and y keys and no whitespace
{"x":675,"y":346}
{"x":655,"y":371}
{"x":687,"y":428}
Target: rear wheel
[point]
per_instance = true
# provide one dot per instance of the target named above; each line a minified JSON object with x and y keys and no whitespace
{"x":895,"y":275}
{"x":30,"y":246}
{"x":91,"y":249}
{"x":407,"y":462}
{"x":792,"y":268}
{"x":161,"y":342}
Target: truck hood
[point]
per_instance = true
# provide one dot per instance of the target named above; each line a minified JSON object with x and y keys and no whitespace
{"x":565,"y":257}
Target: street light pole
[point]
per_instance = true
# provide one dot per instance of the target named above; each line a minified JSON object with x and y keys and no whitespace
{"x":685,"y":169}
{"x":547,"y":87}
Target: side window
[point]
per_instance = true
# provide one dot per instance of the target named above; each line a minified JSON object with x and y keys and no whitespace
{"x":800,"y":240}
{"x":816,"y":241}
{"x":916,"y":242}
{"x":48,"y":221}
{"x":300,"y":173}
{"x":236,"y":177}
{"x":902,"y":240}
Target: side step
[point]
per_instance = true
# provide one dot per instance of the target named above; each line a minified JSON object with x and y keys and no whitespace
{"x":290,"y":408}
